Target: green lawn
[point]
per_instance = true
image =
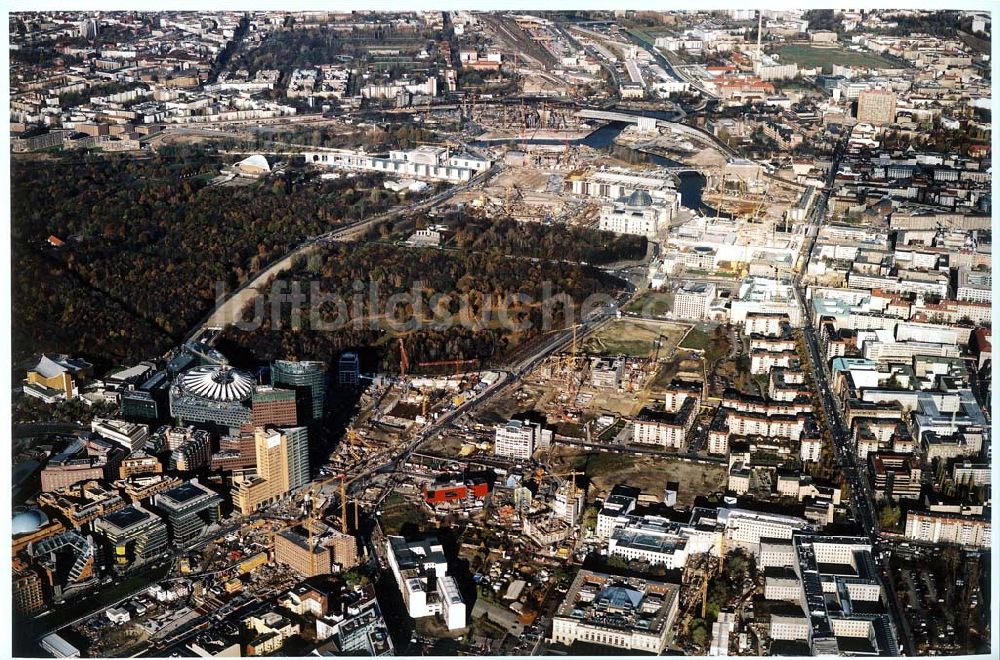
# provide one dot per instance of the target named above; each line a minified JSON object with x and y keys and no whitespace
{"x":652,"y":303}
{"x":811,"y":56}
{"x":397,"y":513}
{"x":696,"y":340}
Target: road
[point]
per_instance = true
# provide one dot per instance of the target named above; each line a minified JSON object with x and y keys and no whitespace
{"x":637,"y":450}
{"x":668,"y":65}
{"x":862,"y":500}
{"x":228,"y":311}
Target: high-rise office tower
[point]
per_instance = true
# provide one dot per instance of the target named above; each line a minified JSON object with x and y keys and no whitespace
{"x":282,"y":465}
{"x":308,"y":379}
{"x":349,"y":370}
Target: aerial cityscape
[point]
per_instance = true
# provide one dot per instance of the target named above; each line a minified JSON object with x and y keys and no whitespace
{"x":501,"y":333}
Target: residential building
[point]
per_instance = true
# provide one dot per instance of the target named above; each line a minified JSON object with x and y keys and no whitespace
{"x":268,"y":633}
{"x":665,"y":429}
{"x":83,"y":502}
{"x":894,"y":476}
{"x":359,"y":628}
{"x":421,"y":572}
{"x":972,"y":474}
{"x":974,"y":286}
{"x":138,"y":463}
{"x":27,"y":595}
{"x":65,"y":561}
{"x":141,"y":487}
{"x":938,"y":528}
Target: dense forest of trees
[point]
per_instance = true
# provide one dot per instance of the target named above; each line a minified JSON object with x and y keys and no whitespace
{"x":821,"y":19}
{"x":292,"y":49}
{"x":405,"y":136}
{"x":939,"y":23}
{"x":529,"y":239}
{"x":451,"y":310}
{"x":146,"y":243}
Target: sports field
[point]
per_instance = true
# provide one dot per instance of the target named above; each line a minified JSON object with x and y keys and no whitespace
{"x":811,"y":56}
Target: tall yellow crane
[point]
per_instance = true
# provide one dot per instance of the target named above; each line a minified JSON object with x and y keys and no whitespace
{"x":570,"y":363}
{"x":704,"y":585}
{"x":404,"y":359}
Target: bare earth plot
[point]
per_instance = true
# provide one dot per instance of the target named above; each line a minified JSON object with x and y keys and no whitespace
{"x":635,"y":338}
{"x":648,"y":473}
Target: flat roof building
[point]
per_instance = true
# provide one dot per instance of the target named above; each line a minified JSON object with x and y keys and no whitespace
{"x":308,"y":379}
{"x":190,"y":508}
{"x":630,"y":614}
{"x":421,"y":571}
{"x":133,"y":535}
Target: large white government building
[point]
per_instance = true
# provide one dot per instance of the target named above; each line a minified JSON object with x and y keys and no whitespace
{"x":425,"y":162}
{"x":637,"y":214}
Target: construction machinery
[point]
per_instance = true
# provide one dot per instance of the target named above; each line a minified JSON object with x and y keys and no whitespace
{"x":755,"y":216}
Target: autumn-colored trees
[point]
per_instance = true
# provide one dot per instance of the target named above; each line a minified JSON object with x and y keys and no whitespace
{"x":446,"y":305}
{"x":147,"y":244}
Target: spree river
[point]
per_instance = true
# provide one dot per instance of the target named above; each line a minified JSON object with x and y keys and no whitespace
{"x":691,"y":183}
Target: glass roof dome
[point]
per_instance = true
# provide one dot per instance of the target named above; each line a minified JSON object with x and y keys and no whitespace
{"x":28,"y":522}
{"x":218,"y":382}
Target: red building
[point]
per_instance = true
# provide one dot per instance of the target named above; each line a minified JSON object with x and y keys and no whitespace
{"x":449,"y":489}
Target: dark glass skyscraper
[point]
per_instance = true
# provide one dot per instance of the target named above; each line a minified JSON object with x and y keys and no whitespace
{"x":308,"y":379}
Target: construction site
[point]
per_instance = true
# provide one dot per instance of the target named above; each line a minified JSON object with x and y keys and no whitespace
{"x":534,"y":193}
{"x":527,"y":122}
{"x":749,"y":197}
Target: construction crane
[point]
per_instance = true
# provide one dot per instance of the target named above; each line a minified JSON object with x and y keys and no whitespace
{"x":722,"y":194}
{"x":704,"y":587}
{"x":447,"y":363}
{"x":404,"y":359}
{"x":659,"y":345}
{"x":756,"y":213}
{"x":570,"y":364}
